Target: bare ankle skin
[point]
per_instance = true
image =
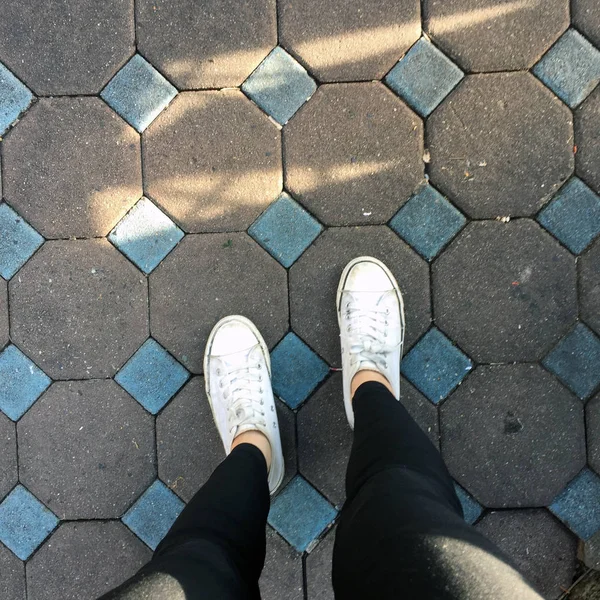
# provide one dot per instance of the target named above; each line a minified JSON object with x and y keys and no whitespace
{"x":366,"y":375}
{"x":256,"y":438}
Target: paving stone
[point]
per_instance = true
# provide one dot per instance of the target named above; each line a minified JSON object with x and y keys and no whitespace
{"x":571,"y":68}
{"x":280,"y":85}
{"x":152,"y":376}
{"x":325,"y":440}
{"x":588,"y":588}
{"x":18,"y":241}
{"x":471,"y":508}
{"x":318,"y":569}
{"x":138,"y":92}
{"x":513,"y":436}
{"x":591,"y":552}
{"x":573,"y":216}
{"x":296,"y":370}
{"x":3,"y":313}
{"x":495,"y":36}
{"x":435,"y":366}
{"x":586,"y":17}
{"x":21,"y":382}
{"x":315,"y":276}
{"x":12,"y":575}
{"x":504,"y":292}
{"x":575,"y":360}
{"x":72,"y":167}
{"x":353,"y":154}
{"x":70,"y":47}
{"x":300,"y":514}
{"x":84,"y":559}
{"x":593,"y":432}
{"x":497,"y":124}
{"x":540,"y":547}
{"x":349,"y":41}
{"x":424,"y":77}
{"x":16,"y":97}
{"x":282,"y":577}
{"x":208,"y":277}
{"x":151,"y":517}
{"x":79,"y":308}
{"x":8,"y":458}
{"x":578,"y":505}
{"x":285,"y":230}
{"x":589,"y":281}
{"x":427,"y":222}
{"x":213,"y":161}
{"x":207,"y":45}
{"x":587,"y":131}
{"x":24,"y":522}
{"x":86,"y":449}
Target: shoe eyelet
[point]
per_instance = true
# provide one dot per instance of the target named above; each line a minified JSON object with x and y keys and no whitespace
{"x":259,"y":366}
{"x":348,"y":329}
{"x":387,"y":311}
{"x":219,"y":372}
{"x":260,"y":377}
{"x":272,"y":408}
{"x":385,"y":365}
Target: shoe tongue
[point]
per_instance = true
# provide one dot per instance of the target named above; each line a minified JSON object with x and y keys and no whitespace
{"x":367,"y":298}
{"x":237,"y":359}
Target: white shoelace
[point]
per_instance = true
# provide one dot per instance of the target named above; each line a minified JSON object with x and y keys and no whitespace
{"x":243,"y":384}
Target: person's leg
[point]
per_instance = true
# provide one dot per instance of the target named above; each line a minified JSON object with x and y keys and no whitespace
{"x":401,"y":533}
{"x":216,"y":547}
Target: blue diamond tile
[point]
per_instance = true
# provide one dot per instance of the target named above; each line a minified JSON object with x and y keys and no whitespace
{"x":18,"y":241}
{"x":285,"y":230}
{"x":24,"y":522}
{"x":435,"y":366}
{"x":300,"y":514}
{"x":151,"y":517}
{"x":578,"y":505}
{"x":152,"y":376}
{"x":21,"y":382}
{"x":145,"y":235}
{"x":471,"y":508}
{"x":571,"y":68}
{"x":424,"y":77}
{"x":15,"y":97}
{"x":576,"y":359}
{"x":427,"y":222}
{"x":296,"y":370}
{"x":279,"y":85}
{"x":573,"y":215}
{"x":138,"y":92}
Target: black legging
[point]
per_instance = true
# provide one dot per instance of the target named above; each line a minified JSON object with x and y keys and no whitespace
{"x":401,"y":533}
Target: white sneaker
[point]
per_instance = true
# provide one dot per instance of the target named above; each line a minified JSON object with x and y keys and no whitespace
{"x":237,"y":372}
{"x":371,"y":319}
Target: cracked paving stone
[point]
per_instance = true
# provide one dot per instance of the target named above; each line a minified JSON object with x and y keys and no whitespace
{"x":208,"y":277}
{"x":72,"y":167}
{"x":587,"y":133}
{"x":8,"y":457}
{"x":212,"y":44}
{"x":589,"y":281}
{"x":541,"y":548}
{"x":353,"y":154}
{"x":12,"y":575}
{"x":69,"y":47}
{"x":592,"y":412}
{"x":486,"y":35}
{"x":513,"y":436}
{"x":212,"y":161}
{"x":315,"y":276}
{"x":349,"y":40}
{"x":500,"y":127}
{"x":79,"y":308}
{"x":505,"y":292}
{"x":84,"y":559}
{"x":318,"y":569}
{"x":3,"y":313}
{"x":86,"y":449}
{"x":586,"y":17}
{"x":282,"y":577}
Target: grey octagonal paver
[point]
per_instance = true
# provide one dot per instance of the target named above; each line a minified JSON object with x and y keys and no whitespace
{"x":212,"y":160}
{"x":208,"y":277}
{"x":353,"y":154}
{"x":12,"y":580}
{"x":86,"y":448}
{"x":282,"y":577}
{"x":3,"y":313}
{"x":501,"y":145}
{"x":513,"y":436}
{"x":586,"y":17}
{"x":84,"y":559}
{"x":592,"y":413}
{"x":72,"y":167}
{"x":505,"y":291}
{"x":315,"y":276}
{"x":589,"y":281}
{"x":8,"y":456}
{"x":69,"y":47}
{"x":587,"y":131}
{"x":540,"y":547}
{"x":318,"y":569}
{"x":79,"y":308}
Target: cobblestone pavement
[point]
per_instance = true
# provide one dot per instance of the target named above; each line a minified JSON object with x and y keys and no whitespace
{"x":170,"y":162}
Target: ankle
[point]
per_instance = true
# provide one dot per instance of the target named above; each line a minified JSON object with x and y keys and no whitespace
{"x":366,"y":376}
{"x":258,"y":439}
